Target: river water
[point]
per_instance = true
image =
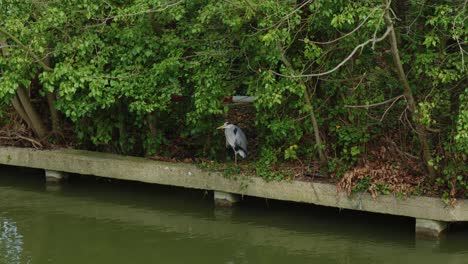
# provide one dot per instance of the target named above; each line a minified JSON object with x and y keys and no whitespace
{"x":92,"y":220}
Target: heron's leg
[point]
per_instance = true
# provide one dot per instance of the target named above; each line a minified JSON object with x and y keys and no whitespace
{"x":228,"y":155}
{"x":235,"y":158}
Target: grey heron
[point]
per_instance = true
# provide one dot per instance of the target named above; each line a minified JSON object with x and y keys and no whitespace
{"x":235,"y":138}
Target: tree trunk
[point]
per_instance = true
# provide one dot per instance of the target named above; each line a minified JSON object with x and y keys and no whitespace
{"x":54,"y":115}
{"x":19,"y":109}
{"x":319,"y":143}
{"x":318,"y":139}
{"x":420,"y":129}
{"x":22,"y":104}
{"x":35,"y":120}
{"x":151,"y":120}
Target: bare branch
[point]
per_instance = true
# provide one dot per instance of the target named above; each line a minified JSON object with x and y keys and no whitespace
{"x":251,"y":6}
{"x":6,"y":46}
{"x":388,"y":108}
{"x":286,"y":17}
{"x":358,"y":47}
{"x":376,"y":104}
{"x":433,"y":130}
{"x":395,"y":145}
{"x":36,"y":144}
{"x":347,"y":34}
{"x":462,"y":51}
{"x":26,"y":49}
{"x":233,"y":4}
{"x":392,"y":101}
{"x":146,"y":11}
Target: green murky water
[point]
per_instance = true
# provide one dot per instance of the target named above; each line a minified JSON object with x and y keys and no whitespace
{"x":94,"y":221}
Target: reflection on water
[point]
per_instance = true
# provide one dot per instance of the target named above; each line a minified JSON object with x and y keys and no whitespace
{"x":93,"y":221}
{"x":10,"y":241}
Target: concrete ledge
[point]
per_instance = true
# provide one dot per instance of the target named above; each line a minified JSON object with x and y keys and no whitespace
{"x":55,"y":177}
{"x":189,"y":176}
{"x":223,"y":199}
{"x":429,"y":228}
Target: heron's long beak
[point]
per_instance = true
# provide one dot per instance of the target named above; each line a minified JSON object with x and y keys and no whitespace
{"x":221,"y":127}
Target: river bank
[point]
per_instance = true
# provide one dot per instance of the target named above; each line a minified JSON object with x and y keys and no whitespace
{"x":190,"y":176}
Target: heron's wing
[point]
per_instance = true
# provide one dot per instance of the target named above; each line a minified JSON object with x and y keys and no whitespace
{"x":241,"y":139}
{"x":230,"y":137}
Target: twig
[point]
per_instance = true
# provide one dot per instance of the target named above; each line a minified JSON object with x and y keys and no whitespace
{"x":234,"y":4}
{"x":462,"y":51}
{"x":386,"y":110}
{"x":376,"y":104}
{"x":26,"y":49}
{"x":433,"y":130}
{"x":285,"y":17}
{"x":360,"y":46}
{"x":409,"y":122}
{"x":251,"y":6}
{"x":360,"y":81}
{"x":347,"y":34}
{"x":147,"y":11}
{"x":32,"y":141}
{"x":401,"y":115}
{"x":399,"y":150}
{"x":6,"y":46}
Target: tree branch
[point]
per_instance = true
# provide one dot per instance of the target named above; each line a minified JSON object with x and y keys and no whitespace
{"x":318,"y":139}
{"x":35,"y":143}
{"x":286,"y":16}
{"x":376,"y":104}
{"x":251,"y":6}
{"x":145,"y":11}
{"x":408,"y":93}
{"x":360,"y":46}
{"x":347,"y":34}
{"x":26,"y":49}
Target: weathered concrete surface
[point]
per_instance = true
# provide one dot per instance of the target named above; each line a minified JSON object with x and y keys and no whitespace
{"x":224,"y":199}
{"x":189,"y":176}
{"x":426,"y":228}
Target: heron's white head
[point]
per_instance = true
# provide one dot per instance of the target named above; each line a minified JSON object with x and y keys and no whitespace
{"x":225,"y":125}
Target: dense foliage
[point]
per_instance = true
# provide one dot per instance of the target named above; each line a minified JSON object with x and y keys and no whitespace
{"x":110,"y":68}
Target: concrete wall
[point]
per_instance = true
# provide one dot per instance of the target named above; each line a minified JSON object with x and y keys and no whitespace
{"x":189,"y":176}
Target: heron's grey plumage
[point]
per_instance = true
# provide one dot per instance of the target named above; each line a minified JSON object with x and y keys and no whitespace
{"x":236,"y":139}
